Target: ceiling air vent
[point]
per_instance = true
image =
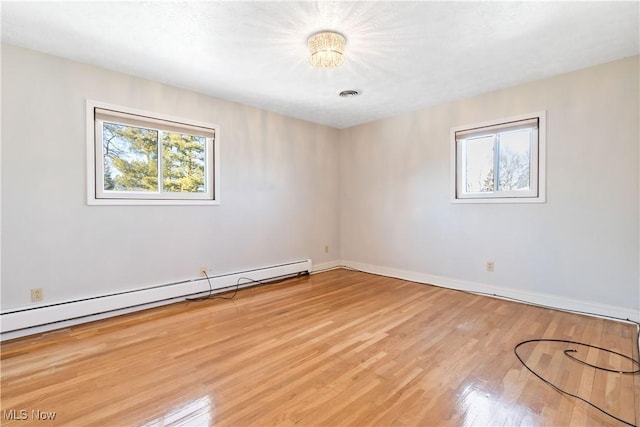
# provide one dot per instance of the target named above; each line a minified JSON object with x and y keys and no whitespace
{"x":349,"y":93}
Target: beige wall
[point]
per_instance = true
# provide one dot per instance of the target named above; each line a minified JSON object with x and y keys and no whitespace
{"x":377,"y":194}
{"x":581,"y":245}
{"x":279,"y":188}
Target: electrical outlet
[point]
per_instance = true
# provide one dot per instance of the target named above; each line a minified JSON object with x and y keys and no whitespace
{"x":490,"y":266}
{"x":36,"y":295}
{"x":326,"y":249}
{"x":206,"y":270}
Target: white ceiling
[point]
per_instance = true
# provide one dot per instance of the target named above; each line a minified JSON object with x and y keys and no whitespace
{"x":403,"y":56}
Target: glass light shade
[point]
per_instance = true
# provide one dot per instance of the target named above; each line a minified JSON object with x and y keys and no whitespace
{"x":326,"y":49}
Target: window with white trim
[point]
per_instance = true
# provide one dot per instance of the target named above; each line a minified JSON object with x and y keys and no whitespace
{"x":138,"y":157}
{"x":499,"y":161}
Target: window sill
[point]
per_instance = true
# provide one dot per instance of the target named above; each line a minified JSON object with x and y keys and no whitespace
{"x":150,"y":202}
{"x":501,"y":200}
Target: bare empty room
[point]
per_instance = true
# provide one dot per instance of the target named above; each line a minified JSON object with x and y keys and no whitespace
{"x":320,"y":213}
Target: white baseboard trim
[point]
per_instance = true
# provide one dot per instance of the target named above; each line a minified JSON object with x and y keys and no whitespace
{"x":32,"y":330}
{"x":39,"y":318}
{"x":35,"y":319}
{"x":527,"y":297}
{"x":326,"y":266}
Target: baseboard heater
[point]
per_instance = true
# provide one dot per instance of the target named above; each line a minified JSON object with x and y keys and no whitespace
{"x":33,"y":319}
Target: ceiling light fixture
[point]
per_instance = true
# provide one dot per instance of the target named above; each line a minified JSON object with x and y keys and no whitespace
{"x":326,"y":49}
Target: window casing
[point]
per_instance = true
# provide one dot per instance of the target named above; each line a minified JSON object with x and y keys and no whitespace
{"x":137,"y":157}
{"x":500,"y":161}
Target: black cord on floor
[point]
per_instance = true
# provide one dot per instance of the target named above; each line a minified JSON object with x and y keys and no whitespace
{"x":566,"y":352}
{"x":211,"y":295}
{"x":246,"y":280}
{"x":515,"y":350}
{"x":572,"y":357}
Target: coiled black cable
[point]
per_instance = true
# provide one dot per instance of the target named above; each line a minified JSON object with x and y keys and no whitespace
{"x":245,"y":281}
{"x":566,"y":352}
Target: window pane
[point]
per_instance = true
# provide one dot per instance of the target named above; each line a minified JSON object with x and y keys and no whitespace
{"x":479,"y":164}
{"x":515,"y":160}
{"x":130,"y":158}
{"x":499,"y":161}
{"x":183,"y":167}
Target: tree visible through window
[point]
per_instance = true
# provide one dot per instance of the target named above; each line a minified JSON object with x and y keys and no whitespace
{"x":498,"y":160}
{"x":130,"y":158}
{"x":147,"y":158}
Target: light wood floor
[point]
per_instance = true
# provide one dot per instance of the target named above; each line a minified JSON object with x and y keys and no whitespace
{"x":336,"y":348}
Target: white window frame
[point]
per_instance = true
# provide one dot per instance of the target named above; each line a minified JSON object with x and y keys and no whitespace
{"x":537,"y":194}
{"x":96,"y":112}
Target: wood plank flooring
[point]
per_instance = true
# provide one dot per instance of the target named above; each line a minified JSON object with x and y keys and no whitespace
{"x":336,"y":348}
